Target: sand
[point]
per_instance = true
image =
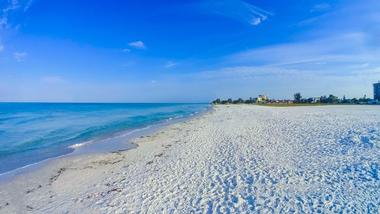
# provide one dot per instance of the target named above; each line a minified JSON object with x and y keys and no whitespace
{"x":238,"y":158}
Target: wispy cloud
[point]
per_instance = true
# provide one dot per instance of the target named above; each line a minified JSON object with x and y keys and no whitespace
{"x":321,"y":7}
{"x":137,"y":44}
{"x":237,"y":9}
{"x":352,"y":45}
{"x":10,"y":8}
{"x":170,"y":64}
{"x":320,"y":12}
{"x":12,"y":5}
{"x":20,"y":56}
{"x":346,"y":55}
{"x":340,"y":49}
{"x":313,"y":20}
{"x":28,"y":5}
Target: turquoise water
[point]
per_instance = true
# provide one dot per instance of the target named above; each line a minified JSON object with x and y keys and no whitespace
{"x":32,"y":132}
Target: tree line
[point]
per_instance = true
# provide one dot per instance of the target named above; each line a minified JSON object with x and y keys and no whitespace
{"x":331,"y":99}
{"x":298,"y":99}
{"x":238,"y":101}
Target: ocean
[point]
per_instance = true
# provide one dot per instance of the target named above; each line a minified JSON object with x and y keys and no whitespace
{"x":33,"y":132}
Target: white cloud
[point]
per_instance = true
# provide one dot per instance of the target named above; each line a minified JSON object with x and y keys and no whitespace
{"x":137,"y":45}
{"x":350,"y":47}
{"x":236,"y":9}
{"x":312,"y":65}
{"x":256,"y":21}
{"x":12,"y":5}
{"x":11,"y":8}
{"x":20,"y":56}
{"x":170,"y":64}
{"x":343,"y":56}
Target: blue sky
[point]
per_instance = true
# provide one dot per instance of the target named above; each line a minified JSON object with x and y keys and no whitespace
{"x":186,"y":51}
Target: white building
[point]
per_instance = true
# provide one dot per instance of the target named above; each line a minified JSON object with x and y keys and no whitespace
{"x":262,"y":98}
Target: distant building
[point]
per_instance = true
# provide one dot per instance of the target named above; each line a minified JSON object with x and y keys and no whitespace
{"x":262,"y":98}
{"x":376,"y":91}
{"x":315,"y":99}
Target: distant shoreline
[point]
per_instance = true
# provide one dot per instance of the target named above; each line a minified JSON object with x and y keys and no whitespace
{"x":298,"y":104}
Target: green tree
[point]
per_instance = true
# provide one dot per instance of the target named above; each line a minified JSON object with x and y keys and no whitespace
{"x":332,"y":99}
{"x":297,"y":97}
{"x":344,"y":100}
{"x":217,"y":101}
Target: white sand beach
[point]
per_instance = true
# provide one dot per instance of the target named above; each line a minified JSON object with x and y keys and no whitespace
{"x":238,"y":158}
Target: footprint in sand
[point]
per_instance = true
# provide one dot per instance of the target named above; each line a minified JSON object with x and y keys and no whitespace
{"x":34,"y":189}
{"x":149,"y":162}
{"x":159,"y":155}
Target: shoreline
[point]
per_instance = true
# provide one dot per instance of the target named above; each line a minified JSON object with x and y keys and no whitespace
{"x":234,"y":159}
{"x":101,"y":145}
{"x":96,"y":164}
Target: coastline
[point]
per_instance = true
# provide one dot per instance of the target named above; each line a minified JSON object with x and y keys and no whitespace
{"x":231,"y":159}
{"x":118,"y":141}
{"x":92,"y":167}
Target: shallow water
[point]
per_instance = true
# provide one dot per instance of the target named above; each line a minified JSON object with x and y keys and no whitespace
{"x":32,"y":132}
